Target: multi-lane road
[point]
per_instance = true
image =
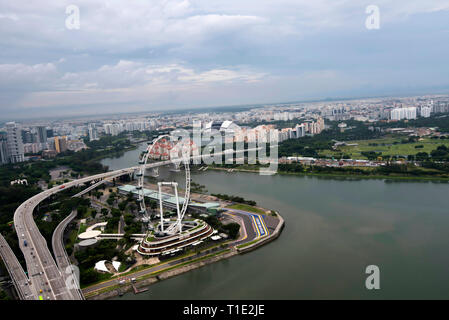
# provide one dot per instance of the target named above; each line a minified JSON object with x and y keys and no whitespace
{"x":18,"y":276}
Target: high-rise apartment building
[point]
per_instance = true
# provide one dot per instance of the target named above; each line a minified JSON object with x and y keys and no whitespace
{"x":425,"y":111}
{"x":300,"y":131}
{"x":93,"y":135}
{"x":60,"y":144}
{"x":14,"y":143}
{"x":403,"y":113}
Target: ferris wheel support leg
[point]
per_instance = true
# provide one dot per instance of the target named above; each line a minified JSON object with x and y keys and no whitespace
{"x":159,"y":184}
{"x":178,"y":222}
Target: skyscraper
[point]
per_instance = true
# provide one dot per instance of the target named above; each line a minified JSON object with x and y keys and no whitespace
{"x":41,"y":134}
{"x":14,"y":143}
{"x":3,"y":151}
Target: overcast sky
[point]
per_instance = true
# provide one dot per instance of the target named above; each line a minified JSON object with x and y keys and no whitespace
{"x":138,"y":55}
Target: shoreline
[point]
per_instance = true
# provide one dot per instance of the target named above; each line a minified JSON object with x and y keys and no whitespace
{"x":343,"y":176}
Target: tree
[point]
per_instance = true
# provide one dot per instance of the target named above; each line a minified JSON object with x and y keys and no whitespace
{"x":81,"y":211}
{"x":110,"y":201}
{"x":122,"y":205}
{"x":422,"y":156}
{"x":232,"y":229}
{"x":89,"y":275}
{"x":116,"y":212}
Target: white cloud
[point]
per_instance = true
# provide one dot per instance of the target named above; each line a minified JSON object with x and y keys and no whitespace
{"x":120,"y":26}
{"x":12,"y":17}
{"x":26,"y":76}
{"x":42,"y":82}
{"x":126,"y":74}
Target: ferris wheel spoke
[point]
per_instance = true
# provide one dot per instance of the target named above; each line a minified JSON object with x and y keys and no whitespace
{"x":160,"y":146}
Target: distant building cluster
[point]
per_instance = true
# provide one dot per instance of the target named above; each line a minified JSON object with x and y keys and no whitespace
{"x":46,"y":139}
{"x":262,"y":133}
{"x":17,"y":141}
{"x":122,"y":126}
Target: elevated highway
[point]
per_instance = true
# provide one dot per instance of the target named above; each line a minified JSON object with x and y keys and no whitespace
{"x":21,"y":282}
{"x":63,"y":261}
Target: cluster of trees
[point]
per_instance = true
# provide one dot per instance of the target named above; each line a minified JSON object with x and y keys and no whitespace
{"x":112,"y":226}
{"x":234,"y":199}
{"x":132,"y":226}
{"x":61,"y":207}
{"x":306,"y":146}
{"x":103,"y":250}
{"x":196,"y":187}
{"x":357,"y":130}
{"x":390,"y":169}
{"x":32,"y":171}
{"x":440,"y":121}
{"x":231,"y":229}
{"x":112,"y":198}
{"x":371,"y":155}
{"x":441,"y":153}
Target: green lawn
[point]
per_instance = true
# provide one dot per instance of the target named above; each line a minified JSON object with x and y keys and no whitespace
{"x":243,"y":245}
{"x":245,"y":207}
{"x":387,"y":147}
{"x":83,"y":228}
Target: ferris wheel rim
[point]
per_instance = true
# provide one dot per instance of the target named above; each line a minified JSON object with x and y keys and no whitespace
{"x":141,"y":179}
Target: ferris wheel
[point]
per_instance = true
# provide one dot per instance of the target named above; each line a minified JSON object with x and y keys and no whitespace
{"x":163,"y":147}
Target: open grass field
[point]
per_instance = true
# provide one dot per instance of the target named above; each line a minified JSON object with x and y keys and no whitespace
{"x":245,"y":207}
{"x":389,"y":146}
